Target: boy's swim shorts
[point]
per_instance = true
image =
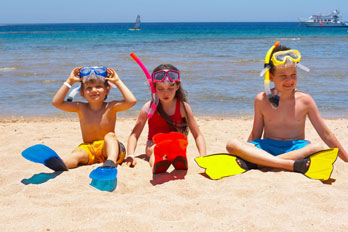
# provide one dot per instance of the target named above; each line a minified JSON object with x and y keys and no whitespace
{"x":96,"y":153}
{"x":277,"y":147}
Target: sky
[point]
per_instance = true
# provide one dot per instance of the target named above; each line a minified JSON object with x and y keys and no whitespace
{"x":113,"y":11}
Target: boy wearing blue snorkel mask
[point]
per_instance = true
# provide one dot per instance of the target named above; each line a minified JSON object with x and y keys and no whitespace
{"x":97,"y":117}
{"x":277,"y":138}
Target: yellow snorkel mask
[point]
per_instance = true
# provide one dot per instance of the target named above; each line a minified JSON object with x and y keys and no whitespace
{"x":279,"y":58}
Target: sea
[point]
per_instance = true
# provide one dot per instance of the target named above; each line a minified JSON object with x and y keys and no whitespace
{"x":219,"y":63}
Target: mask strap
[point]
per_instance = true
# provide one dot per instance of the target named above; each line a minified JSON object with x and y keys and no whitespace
{"x":304,"y":68}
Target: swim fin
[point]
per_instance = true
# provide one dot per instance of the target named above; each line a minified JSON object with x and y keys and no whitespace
{"x":218,"y":166}
{"x":162,"y":158}
{"x":103,"y":173}
{"x":170,"y":149}
{"x":321,"y":164}
{"x":40,"y":153}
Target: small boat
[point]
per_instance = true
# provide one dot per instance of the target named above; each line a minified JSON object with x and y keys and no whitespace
{"x":136,"y":24}
{"x":319,"y":20}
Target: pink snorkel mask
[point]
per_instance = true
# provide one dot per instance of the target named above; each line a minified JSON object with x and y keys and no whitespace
{"x":166,"y":75}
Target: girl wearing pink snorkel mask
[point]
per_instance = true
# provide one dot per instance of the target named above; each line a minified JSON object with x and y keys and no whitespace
{"x":173,"y":114}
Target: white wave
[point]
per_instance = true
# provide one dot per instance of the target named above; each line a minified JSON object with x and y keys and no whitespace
{"x":7,"y":69}
{"x":289,"y":39}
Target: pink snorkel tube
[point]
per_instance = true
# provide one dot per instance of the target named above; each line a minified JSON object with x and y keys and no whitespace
{"x":153,"y":91}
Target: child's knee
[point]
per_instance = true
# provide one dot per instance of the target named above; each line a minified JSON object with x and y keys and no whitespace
{"x":110,"y":135}
{"x":316,"y":147}
{"x":77,"y":156}
{"x":149,"y":151}
{"x":232,"y":145}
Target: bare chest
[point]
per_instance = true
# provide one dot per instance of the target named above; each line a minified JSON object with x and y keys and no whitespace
{"x":285,"y":123}
{"x":95,"y":125}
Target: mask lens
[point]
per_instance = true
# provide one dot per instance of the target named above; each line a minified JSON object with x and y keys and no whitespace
{"x":159,"y":76}
{"x":293,"y":55}
{"x":100,"y":71}
{"x":174,"y":75}
{"x":282,"y":56}
{"x":85,"y":72}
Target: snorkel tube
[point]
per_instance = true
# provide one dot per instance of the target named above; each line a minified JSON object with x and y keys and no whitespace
{"x":274,"y":100}
{"x":73,"y":93}
{"x":155,"y":102}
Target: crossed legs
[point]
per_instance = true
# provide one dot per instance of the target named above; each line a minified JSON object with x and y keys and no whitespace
{"x":258,"y":156}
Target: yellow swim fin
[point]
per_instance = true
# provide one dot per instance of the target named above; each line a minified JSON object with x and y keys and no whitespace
{"x":321,"y":164}
{"x":218,"y":166}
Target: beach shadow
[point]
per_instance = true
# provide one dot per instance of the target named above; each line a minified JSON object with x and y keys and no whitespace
{"x":104,"y":185}
{"x":165,"y":177}
{"x":329,"y":181}
{"x":143,"y":157}
{"x":205,"y":175}
{"x":41,"y":178}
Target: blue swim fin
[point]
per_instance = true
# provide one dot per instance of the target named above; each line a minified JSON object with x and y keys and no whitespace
{"x":42,"y":154}
{"x":218,"y":166}
{"x":321,"y":164}
{"x":103,"y":173}
{"x":104,"y":178}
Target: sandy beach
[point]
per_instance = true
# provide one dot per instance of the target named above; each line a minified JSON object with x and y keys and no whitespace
{"x":258,"y":200}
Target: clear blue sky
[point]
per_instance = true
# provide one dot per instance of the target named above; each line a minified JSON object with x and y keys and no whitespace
{"x":85,"y":11}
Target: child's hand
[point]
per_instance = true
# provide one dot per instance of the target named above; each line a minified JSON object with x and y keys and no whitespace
{"x":74,"y":76}
{"x":112,"y":76}
{"x":130,"y":161}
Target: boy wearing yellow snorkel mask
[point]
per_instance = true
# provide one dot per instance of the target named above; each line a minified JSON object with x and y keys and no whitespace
{"x":97,"y":117}
{"x":277,"y":138}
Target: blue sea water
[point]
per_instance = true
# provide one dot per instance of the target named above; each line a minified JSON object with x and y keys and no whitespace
{"x":219,"y":62}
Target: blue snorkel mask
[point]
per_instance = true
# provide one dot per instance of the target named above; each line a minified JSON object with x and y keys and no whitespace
{"x":90,"y":73}
{"x":95,"y":72}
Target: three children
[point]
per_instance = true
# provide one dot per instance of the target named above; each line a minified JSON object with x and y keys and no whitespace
{"x":277,"y":138}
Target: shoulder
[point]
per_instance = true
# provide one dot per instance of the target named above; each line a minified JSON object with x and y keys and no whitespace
{"x":146,"y":106}
{"x":303,"y":97}
{"x":80,"y":105}
{"x":260,"y":97}
{"x":185,"y":108}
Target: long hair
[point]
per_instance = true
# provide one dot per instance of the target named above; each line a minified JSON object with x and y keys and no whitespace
{"x":181,"y":95}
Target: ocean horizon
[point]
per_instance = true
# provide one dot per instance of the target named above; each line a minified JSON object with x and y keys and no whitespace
{"x":220,"y":62}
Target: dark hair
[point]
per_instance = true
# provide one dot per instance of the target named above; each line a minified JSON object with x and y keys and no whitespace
{"x":181,"y":95}
{"x":276,"y":49}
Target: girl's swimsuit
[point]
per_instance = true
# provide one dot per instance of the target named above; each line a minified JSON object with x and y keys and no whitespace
{"x":157,"y":124}
{"x":277,"y":147}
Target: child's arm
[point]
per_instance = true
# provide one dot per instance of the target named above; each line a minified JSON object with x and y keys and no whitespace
{"x":58,"y":99}
{"x":324,"y":132}
{"x":256,"y":132}
{"x":136,"y":132}
{"x":196,"y":132}
{"x":129,"y":98}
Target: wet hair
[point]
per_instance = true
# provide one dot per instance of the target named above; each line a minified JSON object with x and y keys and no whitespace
{"x":180,"y":94}
{"x":276,"y":49}
{"x":93,"y":81}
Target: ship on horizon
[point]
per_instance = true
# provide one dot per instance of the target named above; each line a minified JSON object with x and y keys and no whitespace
{"x":319,"y":20}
